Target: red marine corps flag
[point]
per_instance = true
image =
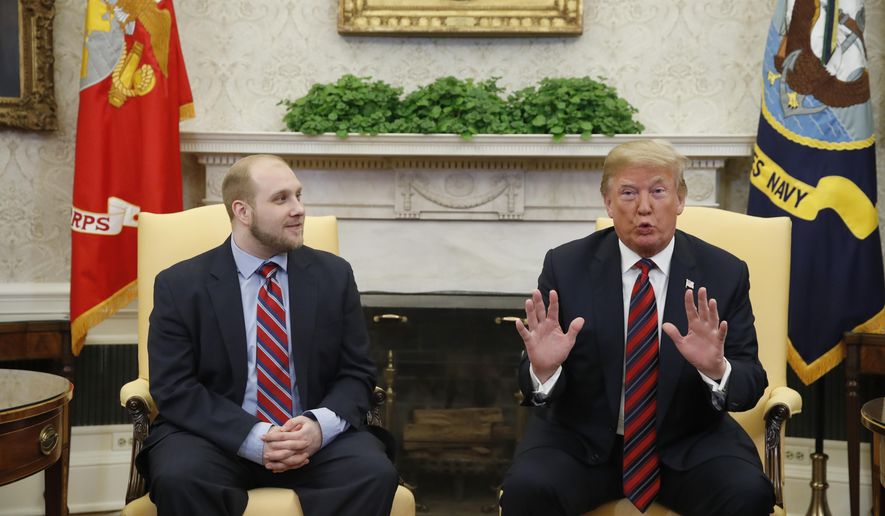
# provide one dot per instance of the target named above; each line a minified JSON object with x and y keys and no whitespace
{"x":133,"y":92}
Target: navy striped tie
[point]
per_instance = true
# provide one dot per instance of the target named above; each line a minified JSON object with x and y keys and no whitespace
{"x":641,"y":464}
{"x":275,"y":404}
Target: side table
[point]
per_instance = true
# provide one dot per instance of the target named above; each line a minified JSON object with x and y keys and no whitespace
{"x":866,"y":355}
{"x":35,"y":432}
{"x":873,"y":417}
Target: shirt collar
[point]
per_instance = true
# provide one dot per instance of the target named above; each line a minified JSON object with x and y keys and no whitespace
{"x":662,"y":259}
{"x":247,"y":264}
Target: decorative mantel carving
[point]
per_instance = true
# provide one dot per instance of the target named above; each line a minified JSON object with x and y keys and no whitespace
{"x":491,"y":177}
{"x":459,"y":193}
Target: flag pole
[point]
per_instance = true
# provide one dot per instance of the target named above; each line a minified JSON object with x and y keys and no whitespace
{"x":818,"y":505}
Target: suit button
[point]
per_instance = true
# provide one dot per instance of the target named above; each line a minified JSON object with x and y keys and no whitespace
{"x":595,"y":457}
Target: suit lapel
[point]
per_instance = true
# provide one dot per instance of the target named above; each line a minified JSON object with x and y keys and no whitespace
{"x":608,"y":302}
{"x":682,"y":267}
{"x":224,"y":293}
{"x":302,"y":317}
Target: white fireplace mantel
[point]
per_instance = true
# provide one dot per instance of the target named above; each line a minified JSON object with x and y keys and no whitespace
{"x":521,"y":145}
{"x":432,"y":213}
{"x":404,"y":176}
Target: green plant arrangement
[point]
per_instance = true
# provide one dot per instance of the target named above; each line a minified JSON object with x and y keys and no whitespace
{"x":350,"y":105}
{"x":572,"y":105}
{"x":450,"y":105}
{"x":556,"y":106}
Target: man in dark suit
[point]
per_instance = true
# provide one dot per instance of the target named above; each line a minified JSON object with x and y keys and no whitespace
{"x":624,"y":409}
{"x":260,"y":368}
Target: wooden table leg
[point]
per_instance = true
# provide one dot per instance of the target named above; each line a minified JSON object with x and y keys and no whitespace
{"x":55,"y":477}
{"x":876,"y":484}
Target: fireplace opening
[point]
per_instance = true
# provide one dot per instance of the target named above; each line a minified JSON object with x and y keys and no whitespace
{"x":453,"y":399}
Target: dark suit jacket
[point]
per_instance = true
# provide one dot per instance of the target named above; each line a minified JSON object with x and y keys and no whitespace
{"x":581,"y":413}
{"x":197,"y":345}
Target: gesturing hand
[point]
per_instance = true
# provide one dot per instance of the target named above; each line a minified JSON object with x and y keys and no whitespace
{"x":704,"y":344}
{"x":545,"y":343}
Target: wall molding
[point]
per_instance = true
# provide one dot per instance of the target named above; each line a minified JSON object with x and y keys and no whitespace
{"x":45,"y":301}
{"x":35,"y":300}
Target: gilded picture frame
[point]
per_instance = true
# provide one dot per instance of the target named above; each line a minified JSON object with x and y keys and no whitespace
{"x":460,"y":17}
{"x":27,"y":91}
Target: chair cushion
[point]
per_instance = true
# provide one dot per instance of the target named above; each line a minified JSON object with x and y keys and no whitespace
{"x":624,"y":507}
{"x":140,"y":507}
{"x":271,"y":500}
{"x":262,"y":501}
{"x":403,"y":502}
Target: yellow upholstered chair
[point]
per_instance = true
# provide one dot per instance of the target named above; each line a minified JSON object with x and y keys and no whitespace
{"x":764,"y":243}
{"x":164,"y":240}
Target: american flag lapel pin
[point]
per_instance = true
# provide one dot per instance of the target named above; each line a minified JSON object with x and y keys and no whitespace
{"x":689,"y":284}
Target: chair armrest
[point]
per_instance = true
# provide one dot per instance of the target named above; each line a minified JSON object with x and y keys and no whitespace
{"x":136,"y":397}
{"x":781,"y":404}
{"x":139,"y":388}
{"x":375,"y":417}
{"x":787,"y":397}
{"x":375,"y":421}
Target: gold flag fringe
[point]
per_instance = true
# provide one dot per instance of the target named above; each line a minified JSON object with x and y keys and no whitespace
{"x":98,"y":313}
{"x":186,"y":111}
{"x":810,"y":373}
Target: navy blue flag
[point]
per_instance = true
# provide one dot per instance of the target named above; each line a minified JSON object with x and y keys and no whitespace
{"x":815,"y":161}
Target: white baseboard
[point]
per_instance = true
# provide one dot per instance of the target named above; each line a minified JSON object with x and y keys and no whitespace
{"x":100,"y":471}
{"x":797,"y":473}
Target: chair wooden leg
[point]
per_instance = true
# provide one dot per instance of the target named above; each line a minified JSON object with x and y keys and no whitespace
{"x":140,"y":414}
{"x":774,"y":420}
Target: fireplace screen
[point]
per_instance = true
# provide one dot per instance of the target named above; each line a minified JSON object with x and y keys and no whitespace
{"x":455,"y":411}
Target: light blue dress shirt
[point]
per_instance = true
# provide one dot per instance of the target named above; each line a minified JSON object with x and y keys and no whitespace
{"x":250,"y":282}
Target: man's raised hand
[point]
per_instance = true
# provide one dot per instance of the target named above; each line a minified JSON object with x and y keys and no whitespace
{"x":545,"y":343}
{"x":704,"y":344}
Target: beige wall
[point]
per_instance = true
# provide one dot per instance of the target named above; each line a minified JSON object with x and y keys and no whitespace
{"x":689,"y":67}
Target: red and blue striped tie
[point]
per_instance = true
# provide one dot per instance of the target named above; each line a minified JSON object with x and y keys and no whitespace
{"x":275,"y":403}
{"x":641,"y":464}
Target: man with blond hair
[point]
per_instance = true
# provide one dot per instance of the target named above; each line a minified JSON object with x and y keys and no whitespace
{"x":260,"y":368}
{"x":631,"y":377}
